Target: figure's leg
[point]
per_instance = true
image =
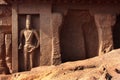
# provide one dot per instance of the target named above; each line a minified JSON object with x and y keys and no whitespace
{"x":25,"y":58}
{"x":31,"y":60}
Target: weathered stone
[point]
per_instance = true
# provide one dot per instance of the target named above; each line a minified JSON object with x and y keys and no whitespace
{"x":8,"y":47}
{"x":2,"y":2}
{"x":5,"y":77}
{"x":28,"y":47}
{"x":45,"y":35}
{"x":14,"y":38}
{"x":3,"y":67}
{"x":56,"y":24}
{"x":104,"y":23}
{"x":103,"y":65}
{"x":78,"y":36}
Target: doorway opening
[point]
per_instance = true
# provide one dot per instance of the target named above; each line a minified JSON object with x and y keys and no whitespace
{"x":116,"y":33}
{"x":78,"y":36}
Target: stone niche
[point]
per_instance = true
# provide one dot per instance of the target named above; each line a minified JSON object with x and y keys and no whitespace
{"x":35,"y":19}
{"x":78,"y":36}
{"x":86,"y":30}
{"x":40,"y":22}
{"x":78,"y":33}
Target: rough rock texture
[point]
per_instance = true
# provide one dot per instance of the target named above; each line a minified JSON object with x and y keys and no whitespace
{"x":56,"y":24}
{"x":106,"y":67}
{"x":2,"y":2}
{"x":104,"y":23}
{"x":78,"y":36}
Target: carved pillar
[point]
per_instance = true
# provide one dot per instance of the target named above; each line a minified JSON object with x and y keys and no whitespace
{"x":104,"y":23}
{"x":3,"y":67}
{"x":8,"y":48}
{"x":56,"y":23}
{"x":14,"y":38}
{"x":45,"y":35}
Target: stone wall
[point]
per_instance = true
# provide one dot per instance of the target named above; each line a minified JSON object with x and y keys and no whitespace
{"x":5,"y":39}
{"x":68,"y":31}
{"x":5,"y":18}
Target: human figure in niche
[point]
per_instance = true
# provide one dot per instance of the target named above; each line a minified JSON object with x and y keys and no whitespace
{"x":29,"y":47}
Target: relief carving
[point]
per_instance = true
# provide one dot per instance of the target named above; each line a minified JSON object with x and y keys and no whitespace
{"x":28,"y":46}
{"x":8,"y":43}
{"x":104,"y":23}
{"x":56,"y":23}
{"x":3,"y":67}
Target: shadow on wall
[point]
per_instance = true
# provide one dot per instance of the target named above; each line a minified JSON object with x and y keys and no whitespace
{"x":78,"y":36}
{"x":116,"y":33}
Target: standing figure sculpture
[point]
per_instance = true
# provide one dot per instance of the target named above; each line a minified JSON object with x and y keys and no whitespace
{"x":29,"y":47}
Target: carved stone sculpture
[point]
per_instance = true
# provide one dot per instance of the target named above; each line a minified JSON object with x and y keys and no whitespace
{"x":8,"y":38}
{"x":29,"y":46}
{"x":3,"y":67}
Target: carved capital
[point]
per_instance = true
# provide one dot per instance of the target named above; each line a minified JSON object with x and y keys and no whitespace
{"x":105,"y":20}
{"x":57,"y":19}
{"x":104,"y":23}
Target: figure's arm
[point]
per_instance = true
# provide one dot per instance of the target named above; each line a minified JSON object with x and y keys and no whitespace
{"x":37,"y":37}
{"x":21,"y":37}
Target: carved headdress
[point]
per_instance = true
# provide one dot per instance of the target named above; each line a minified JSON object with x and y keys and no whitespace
{"x":28,"y":18}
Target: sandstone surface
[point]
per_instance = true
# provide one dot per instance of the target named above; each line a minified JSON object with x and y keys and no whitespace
{"x":105,"y":67}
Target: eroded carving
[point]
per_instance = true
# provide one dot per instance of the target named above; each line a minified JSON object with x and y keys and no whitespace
{"x":56,"y":23}
{"x":8,"y":43}
{"x":104,"y":23}
{"x":29,"y":47}
{"x":3,"y":67}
